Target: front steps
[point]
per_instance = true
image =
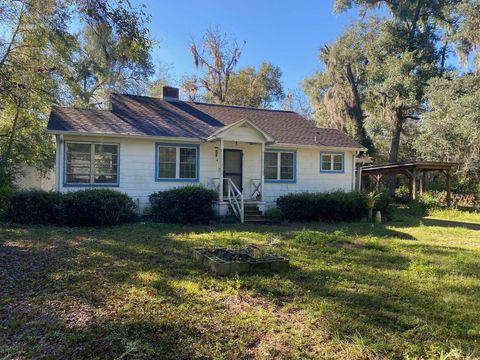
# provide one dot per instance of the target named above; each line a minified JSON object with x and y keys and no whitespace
{"x":253,"y":214}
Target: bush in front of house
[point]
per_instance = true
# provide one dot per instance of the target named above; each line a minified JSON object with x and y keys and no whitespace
{"x":97,"y":207}
{"x":77,"y":208}
{"x":6,"y":193}
{"x":335,"y":206}
{"x":185,"y":205}
{"x":34,"y":207}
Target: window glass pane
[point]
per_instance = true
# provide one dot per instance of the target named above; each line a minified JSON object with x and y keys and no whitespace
{"x":167,"y":154}
{"x":271,"y":168}
{"x":106,"y":179}
{"x":106,"y":164}
{"x":326,"y":162}
{"x":78,"y":163}
{"x":286,"y":166}
{"x":167,"y":157}
{"x":188,"y":163}
{"x":338,"y":162}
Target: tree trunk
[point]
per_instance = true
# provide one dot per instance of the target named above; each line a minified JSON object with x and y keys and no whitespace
{"x":397,"y":126}
{"x":356,"y":112}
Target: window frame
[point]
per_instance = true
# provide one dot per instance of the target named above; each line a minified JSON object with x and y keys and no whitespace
{"x":177,"y":162}
{"x":331,"y":154}
{"x":92,"y":161}
{"x":279,"y":166}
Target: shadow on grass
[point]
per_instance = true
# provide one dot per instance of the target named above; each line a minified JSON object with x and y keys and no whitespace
{"x":450,"y":223}
{"x":364,"y":287}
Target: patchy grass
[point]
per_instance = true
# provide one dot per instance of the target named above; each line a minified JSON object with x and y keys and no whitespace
{"x":408,"y":288}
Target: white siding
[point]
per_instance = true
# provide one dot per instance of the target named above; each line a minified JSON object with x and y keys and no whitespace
{"x":31,"y":178}
{"x":309,"y":177}
{"x":137,"y":169}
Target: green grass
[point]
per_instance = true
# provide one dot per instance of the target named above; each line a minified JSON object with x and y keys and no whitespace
{"x":472,"y":215}
{"x":405,"y":289}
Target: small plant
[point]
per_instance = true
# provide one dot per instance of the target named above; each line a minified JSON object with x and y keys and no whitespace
{"x":373,"y":197}
{"x":188,"y":204}
{"x":274,"y":215}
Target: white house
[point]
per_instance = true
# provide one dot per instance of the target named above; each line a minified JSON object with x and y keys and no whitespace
{"x":249,"y":156}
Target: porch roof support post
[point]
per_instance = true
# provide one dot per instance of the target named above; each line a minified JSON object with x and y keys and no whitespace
{"x":220,"y":168}
{"x":262,"y":175}
{"x":421,"y":179}
{"x":449,"y":195}
{"x":413,"y":183}
{"x":359,"y":178}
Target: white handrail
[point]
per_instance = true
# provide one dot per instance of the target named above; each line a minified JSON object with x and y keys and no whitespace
{"x":256,"y":188}
{"x":235,"y":198}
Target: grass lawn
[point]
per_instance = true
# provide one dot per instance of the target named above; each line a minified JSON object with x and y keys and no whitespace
{"x":408,"y":288}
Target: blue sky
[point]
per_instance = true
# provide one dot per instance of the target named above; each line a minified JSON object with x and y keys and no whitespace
{"x":286,"y":33}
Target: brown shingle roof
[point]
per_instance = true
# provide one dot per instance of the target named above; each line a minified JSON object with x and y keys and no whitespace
{"x":145,"y":116}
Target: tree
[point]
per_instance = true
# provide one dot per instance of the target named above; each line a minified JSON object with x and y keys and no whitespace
{"x":450,"y":131}
{"x":260,"y":88}
{"x":296,"y":100}
{"x":216,"y":55}
{"x":105,"y":62}
{"x":401,"y":60}
{"x":466,"y":34}
{"x":36,"y":55}
{"x":337,"y":91}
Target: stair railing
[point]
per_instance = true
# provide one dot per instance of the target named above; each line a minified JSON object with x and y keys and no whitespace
{"x":256,"y":189}
{"x":235,"y":199}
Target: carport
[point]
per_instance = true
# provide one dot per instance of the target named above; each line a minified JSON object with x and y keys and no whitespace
{"x":414,"y":170}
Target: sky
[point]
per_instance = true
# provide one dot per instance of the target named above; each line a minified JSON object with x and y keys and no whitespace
{"x":288,"y":34}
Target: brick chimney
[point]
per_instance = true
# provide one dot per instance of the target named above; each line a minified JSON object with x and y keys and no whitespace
{"x":170,"y":93}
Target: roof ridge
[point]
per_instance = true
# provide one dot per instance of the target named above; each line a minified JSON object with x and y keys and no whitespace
{"x":80,"y":108}
{"x":241,"y":107}
{"x":209,"y":104}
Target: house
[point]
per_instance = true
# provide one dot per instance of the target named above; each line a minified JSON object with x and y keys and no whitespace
{"x":249,"y":156}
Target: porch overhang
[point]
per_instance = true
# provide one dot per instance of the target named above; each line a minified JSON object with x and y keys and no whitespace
{"x":224,"y":132}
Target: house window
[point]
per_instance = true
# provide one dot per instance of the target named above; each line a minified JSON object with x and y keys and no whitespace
{"x":91,"y":164}
{"x":332,"y":162}
{"x":177,"y":162}
{"x":279,"y":166}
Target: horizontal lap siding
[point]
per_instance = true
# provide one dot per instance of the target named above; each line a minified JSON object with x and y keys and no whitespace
{"x":309,"y":177}
{"x":137,"y":169}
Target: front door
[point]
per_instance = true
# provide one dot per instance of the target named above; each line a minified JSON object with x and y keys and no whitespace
{"x":232,"y":168}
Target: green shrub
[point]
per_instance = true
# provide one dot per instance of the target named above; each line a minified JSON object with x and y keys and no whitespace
{"x":274,"y":215}
{"x":97,"y":207}
{"x":402,"y":195}
{"x":430,"y":200}
{"x":78,"y":208}
{"x":188,"y":204}
{"x":384,"y":204}
{"x":34,"y":207}
{"x":337,"y":206}
{"x":6,"y":193}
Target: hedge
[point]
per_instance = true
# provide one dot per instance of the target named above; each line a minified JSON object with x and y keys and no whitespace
{"x":336,"y":206}
{"x":97,"y":207}
{"x":78,"y":208}
{"x":187,"y":204}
